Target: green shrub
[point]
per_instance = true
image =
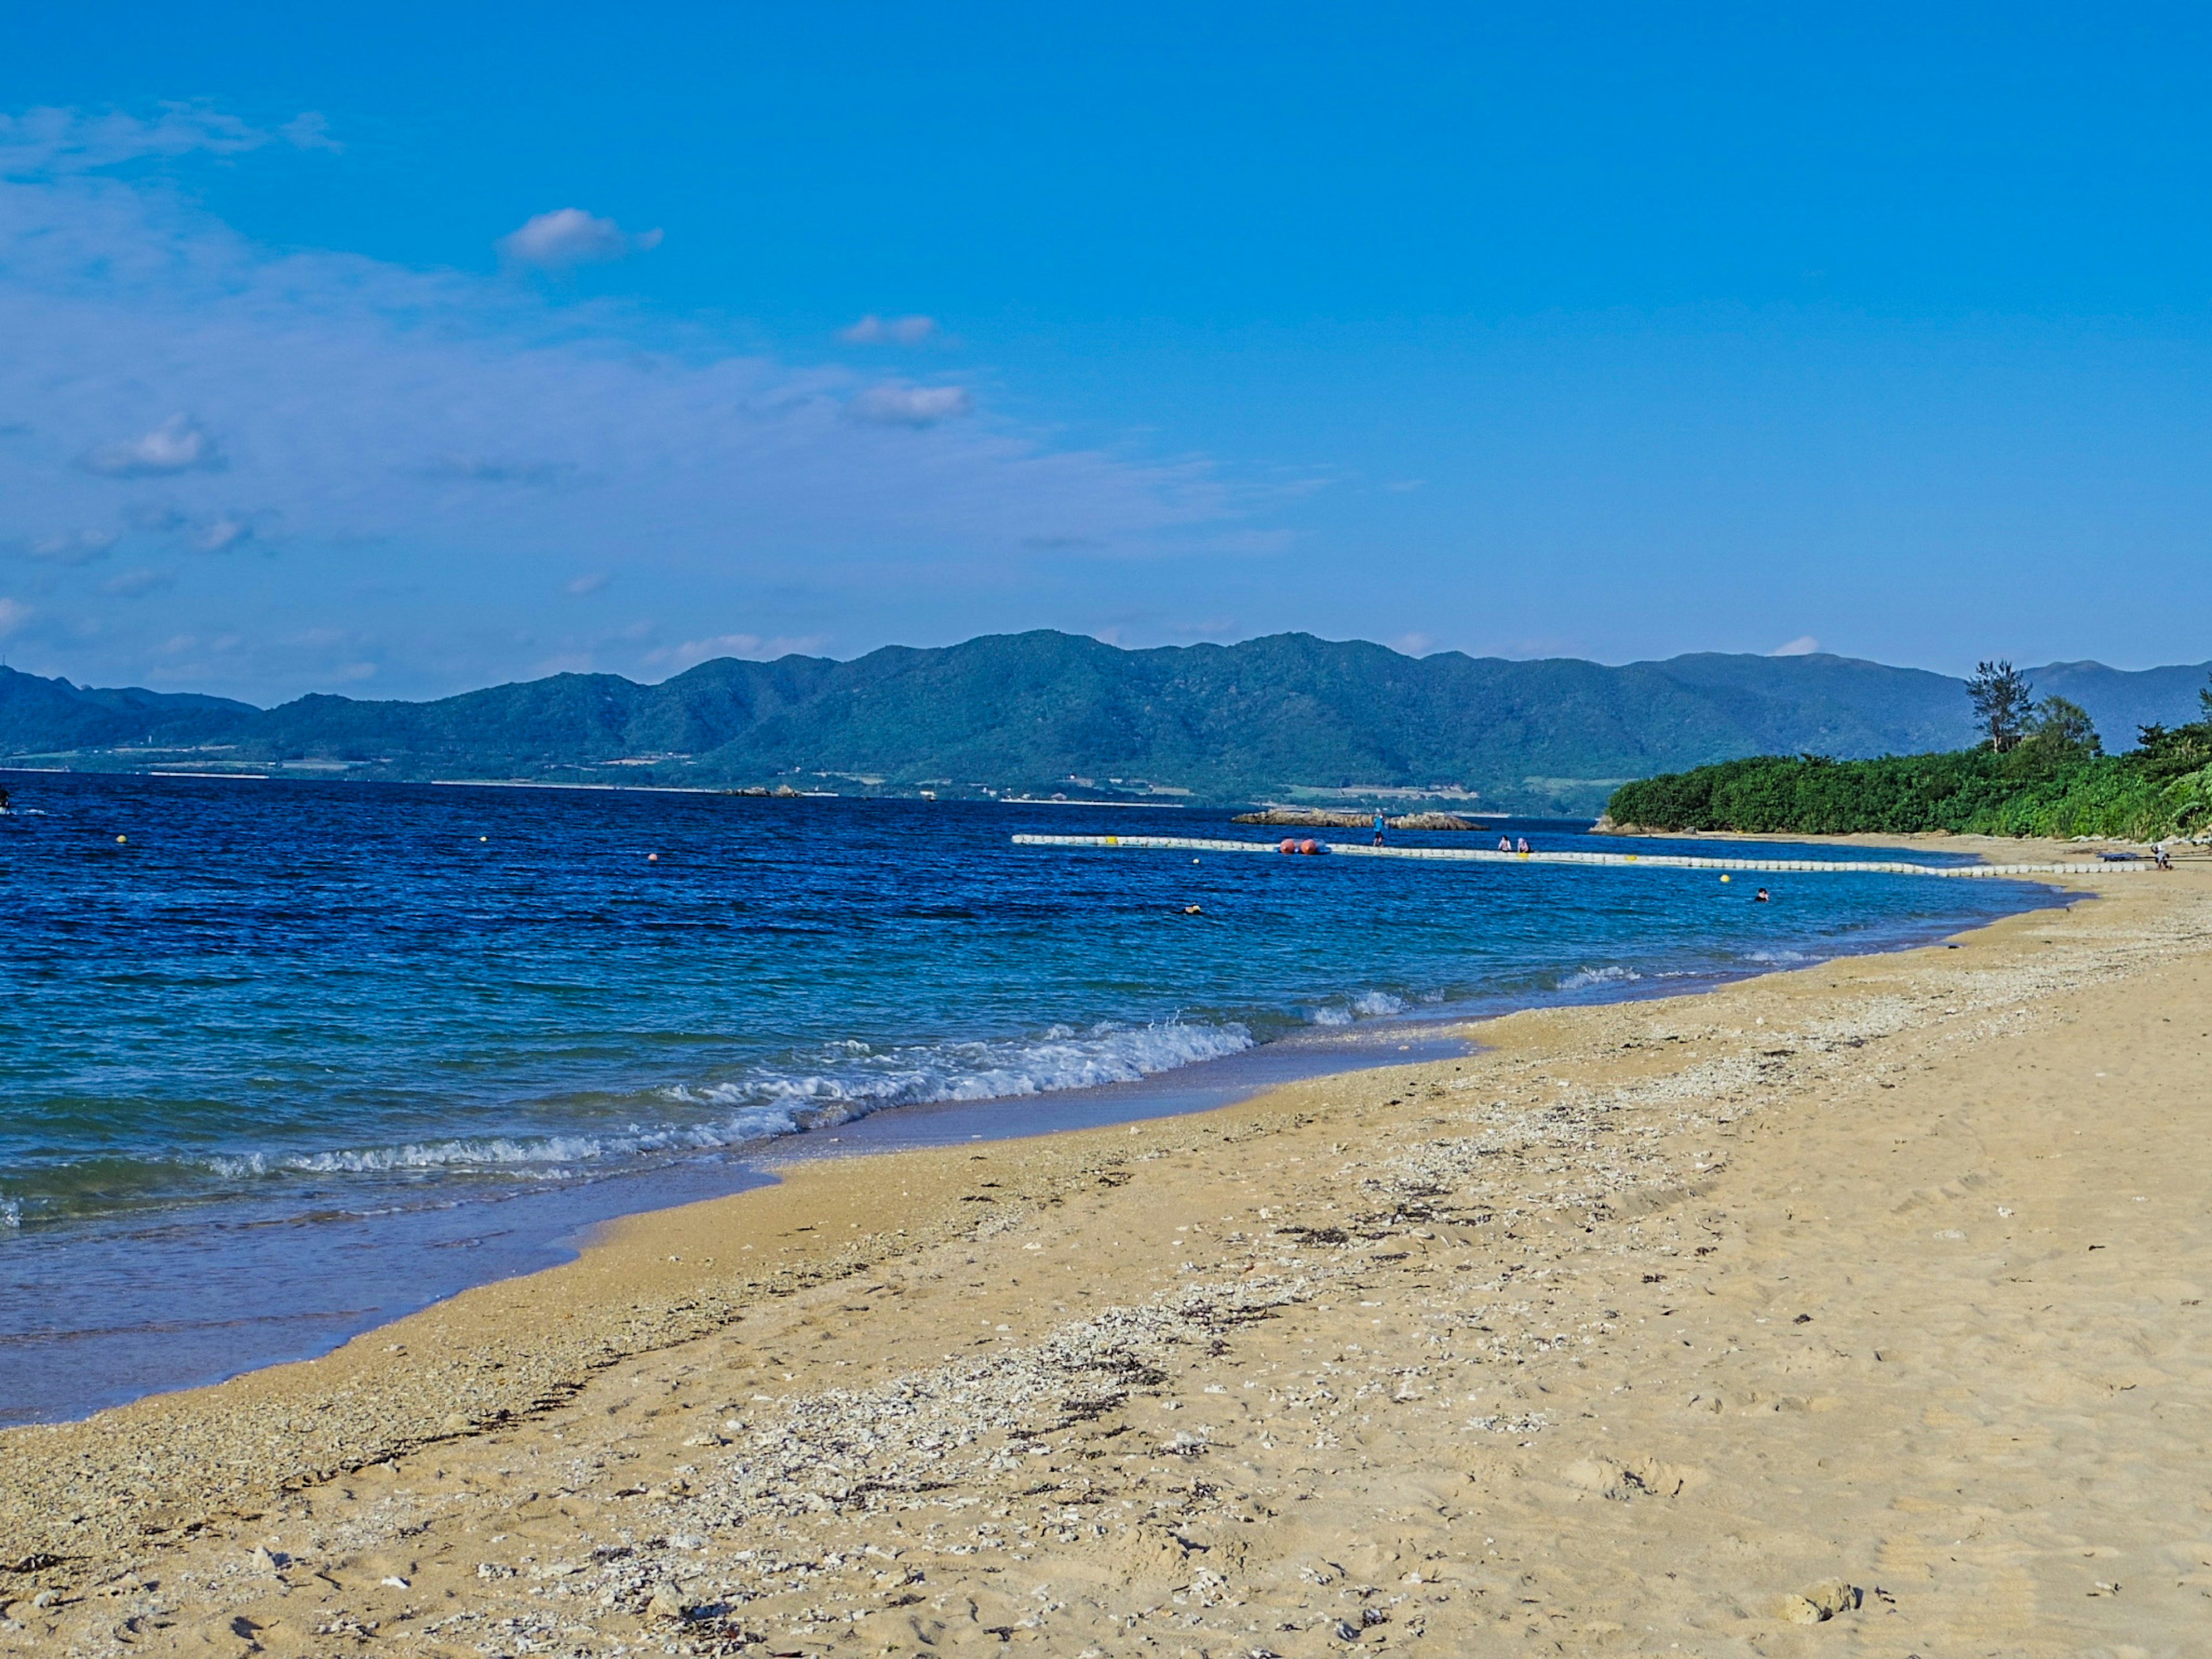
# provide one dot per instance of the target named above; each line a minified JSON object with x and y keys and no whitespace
{"x":2035,"y":789}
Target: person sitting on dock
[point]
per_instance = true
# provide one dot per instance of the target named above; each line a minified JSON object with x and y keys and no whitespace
{"x":1505,"y":844}
{"x":1521,"y":846}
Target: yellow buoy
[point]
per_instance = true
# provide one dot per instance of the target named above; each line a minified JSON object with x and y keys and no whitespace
{"x":119,"y":840}
{"x":1723,"y":878}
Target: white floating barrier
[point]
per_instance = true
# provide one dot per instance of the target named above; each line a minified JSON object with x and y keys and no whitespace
{"x":1644,"y":861}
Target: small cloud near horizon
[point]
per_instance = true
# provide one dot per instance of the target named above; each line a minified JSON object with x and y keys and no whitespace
{"x":872,"y":330}
{"x":580,"y":586}
{"x":14,"y":613}
{"x":911,"y":405}
{"x":180,"y":444}
{"x":677,"y":658}
{"x":1803,"y":646}
{"x":569,"y":236}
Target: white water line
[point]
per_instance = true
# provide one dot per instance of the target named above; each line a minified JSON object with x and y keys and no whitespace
{"x":1652,"y":860}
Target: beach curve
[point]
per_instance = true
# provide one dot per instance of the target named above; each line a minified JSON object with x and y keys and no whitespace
{"x":867,"y":1353}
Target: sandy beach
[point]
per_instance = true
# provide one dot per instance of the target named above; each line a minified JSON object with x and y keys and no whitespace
{"x":1856,"y":1309}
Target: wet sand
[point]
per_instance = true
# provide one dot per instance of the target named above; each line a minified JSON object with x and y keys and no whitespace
{"x":1858,"y":1309}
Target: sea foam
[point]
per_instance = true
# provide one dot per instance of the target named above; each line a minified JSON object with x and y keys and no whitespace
{"x":1583,"y":978}
{"x":1369,"y":1004}
{"x":834,"y":1084}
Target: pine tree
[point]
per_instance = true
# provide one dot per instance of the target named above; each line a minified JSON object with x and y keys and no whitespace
{"x":2002,"y":701}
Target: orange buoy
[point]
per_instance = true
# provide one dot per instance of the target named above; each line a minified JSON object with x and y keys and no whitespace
{"x":1289,"y":845}
{"x":1310,"y":847}
{"x":653,"y":858}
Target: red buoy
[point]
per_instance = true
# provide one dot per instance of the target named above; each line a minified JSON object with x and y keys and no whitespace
{"x":1289,"y":845}
{"x":1310,"y":847}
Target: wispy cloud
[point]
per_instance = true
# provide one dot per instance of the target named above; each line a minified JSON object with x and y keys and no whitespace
{"x":582,"y":586}
{"x":180,"y":444}
{"x":911,"y":405}
{"x":224,"y":532}
{"x":401,"y":426}
{"x":483,"y":469}
{"x":136,"y":584}
{"x":570,"y":236}
{"x":77,"y":547}
{"x":1803,"y":646}
{"x":48,"y":141}
{"x":872,"y":330}
{"x":14,"y":613}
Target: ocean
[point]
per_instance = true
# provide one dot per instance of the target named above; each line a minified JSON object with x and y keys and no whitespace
{"x":281,"y":1061}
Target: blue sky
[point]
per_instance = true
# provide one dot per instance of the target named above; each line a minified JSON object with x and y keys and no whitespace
{"x":397,"y":352}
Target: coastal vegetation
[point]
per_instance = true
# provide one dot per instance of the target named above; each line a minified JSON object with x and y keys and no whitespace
{"x":2042,"y":771}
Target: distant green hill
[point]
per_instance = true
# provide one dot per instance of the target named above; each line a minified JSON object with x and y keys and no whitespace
{"x":1289,"y":717}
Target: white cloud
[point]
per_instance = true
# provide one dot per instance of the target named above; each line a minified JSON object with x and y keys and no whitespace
{"x":309,"y":130}
{"x":675,"y":659}
{"x":14,"y":613}
{"x":76,"y":547}
{"x":872,"y":330}
{"x":570,"y":236}
{"x":1803,"y":646}
{"x":135,"y":584}
{"x":1413,"y":644}
{"x":180,"y":444}
{"x":224,"y":532}
{"x":581,"y":586}
{"x":911,"y":405}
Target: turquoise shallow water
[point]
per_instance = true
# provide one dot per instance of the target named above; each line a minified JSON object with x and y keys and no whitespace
{"x":291,"y":1058}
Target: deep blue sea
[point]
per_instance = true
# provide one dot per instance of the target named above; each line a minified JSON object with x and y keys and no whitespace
{"x":280,"y":1060}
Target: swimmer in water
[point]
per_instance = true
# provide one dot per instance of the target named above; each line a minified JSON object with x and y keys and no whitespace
{"x":1761,"y":897}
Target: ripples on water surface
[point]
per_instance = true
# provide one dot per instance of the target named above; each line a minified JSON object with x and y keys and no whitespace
{"x":295,"y":1057}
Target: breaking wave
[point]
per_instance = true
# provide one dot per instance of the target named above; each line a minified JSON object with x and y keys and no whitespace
{"x":834,"y":1084}
{"x":1372,"y":1005}
{"x":1583,"y":978}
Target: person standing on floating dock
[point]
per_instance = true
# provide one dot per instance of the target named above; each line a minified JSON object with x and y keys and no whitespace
{"x":1379,"y":827}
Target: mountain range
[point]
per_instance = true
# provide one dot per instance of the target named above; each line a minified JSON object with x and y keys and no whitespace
{"x":1286,"y":718}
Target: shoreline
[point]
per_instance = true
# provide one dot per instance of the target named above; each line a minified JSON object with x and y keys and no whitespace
{"x":564,"y":1217}
{"x":162,"y":1489}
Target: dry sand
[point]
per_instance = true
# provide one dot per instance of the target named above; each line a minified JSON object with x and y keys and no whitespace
{"x":1855,"y":1310}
